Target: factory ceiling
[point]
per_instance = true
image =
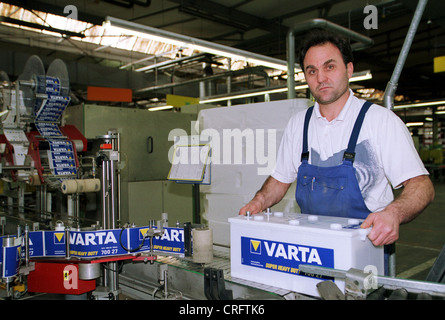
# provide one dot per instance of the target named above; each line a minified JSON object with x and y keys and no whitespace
{"x":257,"y":26}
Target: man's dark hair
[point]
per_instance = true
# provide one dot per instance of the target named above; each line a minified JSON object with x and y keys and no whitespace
{"x":321,"y":36}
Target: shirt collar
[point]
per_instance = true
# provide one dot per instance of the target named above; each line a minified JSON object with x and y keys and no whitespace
{"x":343,"y":111}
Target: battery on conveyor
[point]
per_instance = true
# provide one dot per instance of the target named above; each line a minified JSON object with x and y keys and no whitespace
{"x":269,"y":247}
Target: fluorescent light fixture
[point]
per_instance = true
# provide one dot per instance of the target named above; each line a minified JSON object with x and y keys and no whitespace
{"x":195,"y":43}
{"x":420,"y":104}
{"x":359,"y":76}
{"x":247,"y":94}
{"x":414,"y":124}
{"x":160,"y":108}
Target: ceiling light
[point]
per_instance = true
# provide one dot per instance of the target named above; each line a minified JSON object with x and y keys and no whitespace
{"x":359,"y":76}
{"x":160,"y":108}
{"x":195,"y":43}
{"x":414,"y":124}
{"x":420,"y":104}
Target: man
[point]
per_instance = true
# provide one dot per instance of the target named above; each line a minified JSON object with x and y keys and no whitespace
{"x":345,"y":153}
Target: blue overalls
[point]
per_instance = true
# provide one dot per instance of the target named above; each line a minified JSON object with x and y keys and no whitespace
{"x":334,"y":191}
{"x":331,"y":191}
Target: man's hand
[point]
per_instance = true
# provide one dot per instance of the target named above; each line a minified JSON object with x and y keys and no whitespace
{"x":385,"y":227}
{"x":270,"y":193}
{"x":253,"y":207}
{"x":417,"y":193}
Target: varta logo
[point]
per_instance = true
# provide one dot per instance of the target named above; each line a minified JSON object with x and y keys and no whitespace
{"x":255,"y":246}
{"x":292,"y":252}
{"x":90,"y":238}
{"x":59,"y":238}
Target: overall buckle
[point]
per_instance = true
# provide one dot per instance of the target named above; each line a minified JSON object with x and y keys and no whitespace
{"x":349,"y":156}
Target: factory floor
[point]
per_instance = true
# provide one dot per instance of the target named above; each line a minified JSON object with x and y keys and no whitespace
{"x":421,"y":240}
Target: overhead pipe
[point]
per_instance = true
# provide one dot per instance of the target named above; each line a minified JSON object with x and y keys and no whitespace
{"x":187,"y":82}
{"x":363,"y":42}
{"x":199,"y":44}
{"x":388,"y":97}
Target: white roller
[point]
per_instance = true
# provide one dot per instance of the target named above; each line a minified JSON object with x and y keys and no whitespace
{"x":79,"y":145}
{"x":202,"y":245}
{"x":80,"y":185}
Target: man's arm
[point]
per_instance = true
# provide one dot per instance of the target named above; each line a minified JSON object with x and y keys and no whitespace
{"x":417,"y":194}
{"x":270,"y":193}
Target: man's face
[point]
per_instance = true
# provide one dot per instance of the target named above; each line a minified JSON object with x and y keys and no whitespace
{"x":326,"y":74}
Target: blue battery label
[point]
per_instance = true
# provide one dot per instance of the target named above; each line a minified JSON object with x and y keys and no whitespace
{"x":10,"y":261}
{"x":48,"y":129}
{"x":51,"y":108}
{"x":172,"y":240}
{"x":36,"y":244}
{"x":282,"y":256}
{"x":55,"y":243}
{"x":102,"y":243}
{"x":90,"y":244}
{"x":50,"y":85}
{"x":62,"y":158}
{"x":96,"y":244}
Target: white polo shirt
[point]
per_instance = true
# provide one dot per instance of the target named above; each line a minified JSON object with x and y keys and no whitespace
{"x":385,"y":152}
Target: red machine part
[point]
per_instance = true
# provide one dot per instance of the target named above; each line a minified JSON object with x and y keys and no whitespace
{"x":70,"y":131}
{"x":34,"y":153}
{"x":74,"y":134}
{"x":8,"y":154}
{"x":58,"y":277}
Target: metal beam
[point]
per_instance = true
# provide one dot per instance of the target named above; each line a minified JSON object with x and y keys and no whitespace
{"x":226,"y":15}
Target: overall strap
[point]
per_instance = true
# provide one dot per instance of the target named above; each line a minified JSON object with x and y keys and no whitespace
{"x":305,"y":153}
{"x":350,"y":151}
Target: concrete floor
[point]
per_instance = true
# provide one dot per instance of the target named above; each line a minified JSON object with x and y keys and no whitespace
{"x":421,"y":240}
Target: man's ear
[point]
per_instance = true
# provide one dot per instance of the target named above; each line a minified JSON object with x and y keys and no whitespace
{"x":350,"y":69}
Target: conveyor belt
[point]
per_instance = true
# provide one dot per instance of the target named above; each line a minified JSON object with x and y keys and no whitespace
{"x":221,"y":260}
{"x":186,"y":279}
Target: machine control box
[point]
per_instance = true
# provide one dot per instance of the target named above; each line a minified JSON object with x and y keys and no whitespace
{"x":269,"y":247}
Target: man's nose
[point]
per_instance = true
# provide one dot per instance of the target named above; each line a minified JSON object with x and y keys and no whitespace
{"x":321,"y":76}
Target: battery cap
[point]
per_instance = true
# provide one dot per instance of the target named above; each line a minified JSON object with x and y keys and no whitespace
{"x":364,"y":233}
{"x":312,"y":218}
{"x":353,"y":221}
{"x":336,"y":226}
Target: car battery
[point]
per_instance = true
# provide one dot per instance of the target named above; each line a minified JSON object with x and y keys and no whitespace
{"x":268,"y":248}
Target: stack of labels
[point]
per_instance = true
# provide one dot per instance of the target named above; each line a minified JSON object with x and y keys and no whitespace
{"x":48,"y":111}
{"x":19,"y":141}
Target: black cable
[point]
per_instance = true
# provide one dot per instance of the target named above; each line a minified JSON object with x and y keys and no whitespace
{"x":130,"y":250}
